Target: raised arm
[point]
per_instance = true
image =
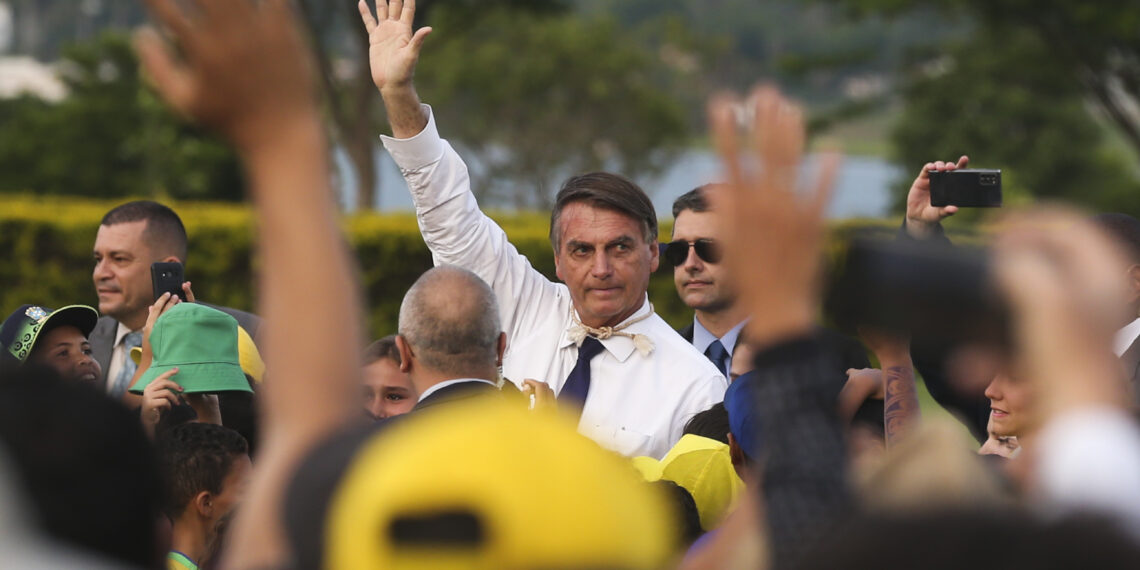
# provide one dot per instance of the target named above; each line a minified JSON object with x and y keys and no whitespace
{"x":393,"y":51}
{"x":773,"y":240}
{"x":246,"y":73}
{"x":922,"y":219}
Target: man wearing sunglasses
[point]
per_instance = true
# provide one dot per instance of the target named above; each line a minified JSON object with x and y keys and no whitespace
{"x":701,"y":281}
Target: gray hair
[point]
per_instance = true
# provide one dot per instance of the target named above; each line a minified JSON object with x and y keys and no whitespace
{"x":451,"y":319}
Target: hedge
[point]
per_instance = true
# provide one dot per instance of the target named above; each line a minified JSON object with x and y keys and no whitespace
{"x":47,"y":243}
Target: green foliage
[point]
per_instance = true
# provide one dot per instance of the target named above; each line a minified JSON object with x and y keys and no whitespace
{"x":110,"y":137}
{"x":532,"y":97}
{"x":49,"y":261}
{"x":999,"y":99}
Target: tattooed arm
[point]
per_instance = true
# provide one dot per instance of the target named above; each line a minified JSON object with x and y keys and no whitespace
{"x":900,"y":404}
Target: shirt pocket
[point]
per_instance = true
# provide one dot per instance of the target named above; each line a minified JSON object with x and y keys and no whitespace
{"x":625,"y":441}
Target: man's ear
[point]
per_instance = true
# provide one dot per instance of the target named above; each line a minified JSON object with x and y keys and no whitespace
{"x":1134,"y":283}
{"x":204,"y":504}
{"x":655,"y":256}
{"x":405,"y":351}
{"x":736,"y":454}
{"x":501,"y":349}
{"x":558,"y":266}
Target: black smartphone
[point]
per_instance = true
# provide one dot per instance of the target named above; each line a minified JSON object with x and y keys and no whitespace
{"x":167,"y":277}
{"x":966,"y":188}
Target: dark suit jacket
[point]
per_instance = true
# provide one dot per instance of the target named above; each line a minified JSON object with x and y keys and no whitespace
{"x":102,"y":337}
{"x":456,"y":393}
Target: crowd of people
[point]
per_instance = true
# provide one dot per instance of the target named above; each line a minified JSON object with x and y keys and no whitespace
{"x":515,"y":422}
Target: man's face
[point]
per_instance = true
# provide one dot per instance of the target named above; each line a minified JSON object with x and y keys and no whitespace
{"x":122,"y":272}
{"x":703,"y":286}
{"x":387,"y":390}
{"x":605,"y":262}
{"x":1009,"y":405}
{"x":65,"y":349}
{"x":233,"y":490}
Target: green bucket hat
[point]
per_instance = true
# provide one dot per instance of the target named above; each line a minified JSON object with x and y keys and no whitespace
{"x":202,"y":344}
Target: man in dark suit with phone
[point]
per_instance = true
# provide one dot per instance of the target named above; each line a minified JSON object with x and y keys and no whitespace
{"x":130,"y":239}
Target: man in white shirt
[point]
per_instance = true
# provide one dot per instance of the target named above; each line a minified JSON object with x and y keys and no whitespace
{"x":636,"y":380}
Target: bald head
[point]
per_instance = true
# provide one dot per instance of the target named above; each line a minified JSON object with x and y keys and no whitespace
{"x":451,"y":320}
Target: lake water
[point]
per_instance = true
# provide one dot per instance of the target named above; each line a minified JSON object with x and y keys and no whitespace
{"x":862,"y":189}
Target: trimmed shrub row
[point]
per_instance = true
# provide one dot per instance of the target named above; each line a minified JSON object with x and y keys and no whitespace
{"x":46,"y":244}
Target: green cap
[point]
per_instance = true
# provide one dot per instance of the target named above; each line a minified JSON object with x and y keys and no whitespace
{"x":21,"y":330}
{"x":202,"y":344}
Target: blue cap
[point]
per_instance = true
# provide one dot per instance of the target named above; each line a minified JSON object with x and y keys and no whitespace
{"x":740,"y":402}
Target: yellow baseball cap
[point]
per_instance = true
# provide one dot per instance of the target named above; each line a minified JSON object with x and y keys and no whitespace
{"x":704,"y":468}
{"x":248,"y":356}
{"x":488,"y":484}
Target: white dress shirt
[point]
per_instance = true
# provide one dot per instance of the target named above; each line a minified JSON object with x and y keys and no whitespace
{"x":637,"y":405}
{"x":1089,"y":460}
{"x":119,"y":356}
{"x":1125,"y":337}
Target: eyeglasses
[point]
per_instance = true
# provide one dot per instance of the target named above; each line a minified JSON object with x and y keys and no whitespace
{"x":676,"y":252}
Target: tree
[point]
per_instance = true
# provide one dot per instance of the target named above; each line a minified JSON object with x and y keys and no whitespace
{"x":1095,"y":45}
{"x":532,"y":98}
{"x":998,"y":98}
{"x":109,"y":137}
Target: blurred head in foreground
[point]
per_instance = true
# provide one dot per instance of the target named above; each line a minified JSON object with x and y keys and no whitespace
{"x":483,"y":484}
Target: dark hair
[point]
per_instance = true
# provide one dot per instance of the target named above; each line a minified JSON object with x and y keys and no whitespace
{"x":86,"y":466}
{"x":163,"y":227}
{"x":195,"y":457}
{"x":692,"y":200}
{"x":385,"y":348}
{"x":711,"y":423}
{"x":1125,"y":229}
{"x":608,"y":192}
{"x":688,"y":516}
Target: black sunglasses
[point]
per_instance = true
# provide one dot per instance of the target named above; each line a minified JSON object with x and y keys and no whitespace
{"x":676,"y":252}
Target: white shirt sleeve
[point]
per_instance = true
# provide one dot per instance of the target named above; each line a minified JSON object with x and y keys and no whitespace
{"x":1089,"y":460}
{"x":458,"y":233}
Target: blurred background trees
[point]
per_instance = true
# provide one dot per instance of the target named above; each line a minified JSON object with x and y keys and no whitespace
{"x":532,"y":90}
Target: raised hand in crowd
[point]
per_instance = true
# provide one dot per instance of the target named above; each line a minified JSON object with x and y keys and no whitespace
{"x":767,"y":222}
{"x":164,"y":303}
{"x":1060,"y":274}
{"x":921,"y":217}
{"x":247,"y":73}
{"x":393,"y":51}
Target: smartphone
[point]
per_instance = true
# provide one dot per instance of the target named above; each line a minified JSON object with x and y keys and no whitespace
{"x":966,"y":188}
{"x":167,"y":277}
